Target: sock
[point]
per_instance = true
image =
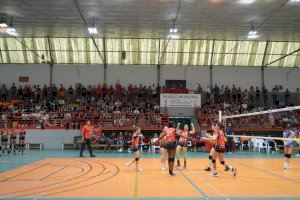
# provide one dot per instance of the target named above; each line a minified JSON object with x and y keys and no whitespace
{"x":170,"y":172}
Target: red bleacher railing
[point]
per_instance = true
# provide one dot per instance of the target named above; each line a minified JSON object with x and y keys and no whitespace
{"x":108,"y":121}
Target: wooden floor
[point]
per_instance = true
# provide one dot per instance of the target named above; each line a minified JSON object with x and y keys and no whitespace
{"x":107,"y":178}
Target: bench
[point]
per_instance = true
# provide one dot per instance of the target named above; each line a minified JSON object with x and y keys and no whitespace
{"x":39,"y":146}
{"x":100,"y":146}
{"x":67,"y":146}
{"x":116,"y":146}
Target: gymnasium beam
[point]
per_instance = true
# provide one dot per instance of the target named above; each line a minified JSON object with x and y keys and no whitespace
{"x":50,"y":63}
{"x":263,"y":67}
{"x":211,"y":65}
{"x":104,"y":60}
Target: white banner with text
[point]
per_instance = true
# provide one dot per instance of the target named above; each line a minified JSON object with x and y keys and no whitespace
{"x":180,"y":100}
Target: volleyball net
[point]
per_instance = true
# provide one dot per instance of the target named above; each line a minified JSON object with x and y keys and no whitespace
{"x":265,"y":125}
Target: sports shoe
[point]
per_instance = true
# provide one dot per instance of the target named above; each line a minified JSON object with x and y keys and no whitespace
{"x":138,"y":170}
{"x":172,"y":174}
{"x":81,"y":156}
{"x":178,"y":167}
{"x":127,"y":165}
{"x":297,"y":155}
{"x":93,"y":156}
{"x":207,"y":169}
{"x":163,"y":168}
{"x":215,"y":174}
{"x":234,"y":171}
{"x":227,"y":169}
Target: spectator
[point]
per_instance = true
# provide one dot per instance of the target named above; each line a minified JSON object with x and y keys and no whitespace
{"x":275,"y":94}
{"x":234,"y":93}
{"x":287,"y":95}
{"x":265,"y":95}
{"x":257,"y":96}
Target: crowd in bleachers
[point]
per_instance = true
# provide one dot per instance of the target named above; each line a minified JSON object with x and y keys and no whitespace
{"x":116,"y":104}
{"x":234,"y":101}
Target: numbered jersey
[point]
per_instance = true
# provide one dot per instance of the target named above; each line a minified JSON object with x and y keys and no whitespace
{"x":170,"y":134}
{"x":221,"y":139}
{"x":184,"y":133}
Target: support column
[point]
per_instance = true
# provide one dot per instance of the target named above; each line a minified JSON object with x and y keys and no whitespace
{"x":105,"y":72}
{"x":158,"y":74}
{"x":104,"y":61}
{"x":211,"y":65}
{"x":262,"y":77}
{"x":263,"y":67}
{"x":50,"y":63}
{"x":51,"y":73}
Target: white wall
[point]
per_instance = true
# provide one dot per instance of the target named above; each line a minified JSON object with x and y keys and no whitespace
{"x":242,"y":77}
{"x":147,"y":75}
{"x":71,"y":74}
{"x":37,"y":73}
{"x":288,"y":78}
{"x":134,"y":74}
{"x":192,"y":75}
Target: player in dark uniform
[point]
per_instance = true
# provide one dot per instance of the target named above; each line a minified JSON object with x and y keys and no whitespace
{"x":4,"y":140}
{"x":22,"y":134}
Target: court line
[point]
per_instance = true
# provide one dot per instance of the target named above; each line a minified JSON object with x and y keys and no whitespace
{"x":214,"y":188}
{"x":55,"y":183}
{"x":113,"y":175}
{"x":135,"y":197}
{"x":194,"y":185}
{"x":24,"y":173}
{"x":269,"y":172}
{"x":52,"y":173}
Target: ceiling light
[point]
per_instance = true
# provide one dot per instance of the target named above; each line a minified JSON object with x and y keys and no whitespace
{"x":11,"y":30}
{"x":3,"y":22}
{"x":93,"y":29}
{"x":253,"y":33}
{"x":173,"y":30}
{"x":246,"y":1}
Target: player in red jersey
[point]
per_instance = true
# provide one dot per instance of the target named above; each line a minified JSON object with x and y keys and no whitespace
{"x":170,"y":133}
{"x":13,"y":138}
{"x":182,"y":144}
{"x":219,"y":138}
{"x":135,"y":148}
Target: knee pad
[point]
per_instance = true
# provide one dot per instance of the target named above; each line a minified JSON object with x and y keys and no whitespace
{"x":213,"y":161}
{"x":137,"y":159}
{"x":222,"y":162}
{"x":171,"y":159}
{"x":287,"y":155}
{"x":210,"y":157}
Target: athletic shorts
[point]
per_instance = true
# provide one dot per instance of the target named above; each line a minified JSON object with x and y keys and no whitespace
{"x":219,"y":149}
{"x":13,"y":137}
{"x":171,"y":145}
{"x":134,"y":149}
{"x":183,"y":144}
{"x":4,"y":139}
{"x":163,"y":146}
{"x":290,"y":144}
{"x":22,"y":138}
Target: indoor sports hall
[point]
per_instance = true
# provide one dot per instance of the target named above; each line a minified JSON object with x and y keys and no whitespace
{"x":149,"y":99}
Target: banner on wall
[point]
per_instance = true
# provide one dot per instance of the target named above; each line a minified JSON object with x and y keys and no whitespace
{"x":180,"y":100}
